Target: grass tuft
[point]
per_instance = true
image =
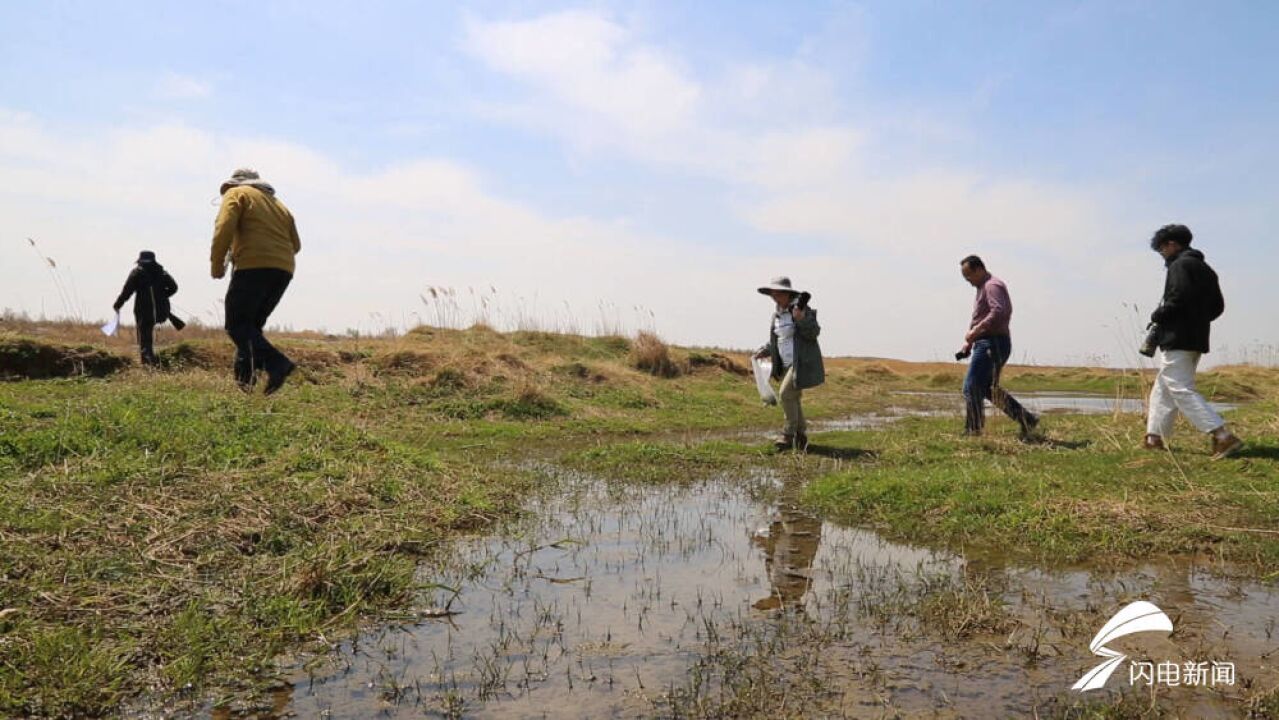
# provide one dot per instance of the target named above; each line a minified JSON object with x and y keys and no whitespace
{"x":650,"y":354}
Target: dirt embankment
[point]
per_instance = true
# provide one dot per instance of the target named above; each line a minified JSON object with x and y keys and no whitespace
{"x":34,"y":350}
{"x":32,"y":359}
{"x":56,"y":350}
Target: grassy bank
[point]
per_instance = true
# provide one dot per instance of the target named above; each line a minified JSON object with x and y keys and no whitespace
{"x":169,"y":526}
{"x":1085,"y":493}
{"x":165,"y":535}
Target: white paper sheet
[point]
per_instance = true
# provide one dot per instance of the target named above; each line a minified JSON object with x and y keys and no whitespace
{"x":112,"y":325}
{"x":763,"y":371}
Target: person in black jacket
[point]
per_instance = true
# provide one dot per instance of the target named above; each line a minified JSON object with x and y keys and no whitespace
{"x":150,"y":285}
{"x":1192,"y":300}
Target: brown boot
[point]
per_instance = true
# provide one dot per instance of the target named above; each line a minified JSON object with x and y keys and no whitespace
{"x":786,"y":443}
{"x":1152,"y":442}
{"x":1225,"y":445}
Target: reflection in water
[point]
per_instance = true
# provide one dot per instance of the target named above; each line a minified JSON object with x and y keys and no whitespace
{"x":274,"y":705}
{"x":609,"y":597}
{"x":789,"y":545}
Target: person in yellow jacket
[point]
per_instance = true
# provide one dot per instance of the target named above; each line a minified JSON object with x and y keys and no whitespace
{"x":256,"y":234}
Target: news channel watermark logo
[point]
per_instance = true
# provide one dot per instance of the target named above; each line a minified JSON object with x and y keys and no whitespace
{"x":1144,"y":617}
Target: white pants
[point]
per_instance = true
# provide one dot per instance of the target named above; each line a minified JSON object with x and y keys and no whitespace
{"x":1175,"y":390}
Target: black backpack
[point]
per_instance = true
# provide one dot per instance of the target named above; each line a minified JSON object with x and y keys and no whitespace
{"x":159,"y":286}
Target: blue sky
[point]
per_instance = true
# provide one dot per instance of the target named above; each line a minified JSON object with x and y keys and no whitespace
{"x":661,"y":156}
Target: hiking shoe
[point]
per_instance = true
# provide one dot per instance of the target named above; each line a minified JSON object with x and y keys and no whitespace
{"x":1225,"y":446}
{"x":787,"y":442}
{"x":1152,"y":442}
{"x":246,"y":380}
{"x":1028,"y":424}
{"x":275,"y":380}
{"x":801,"y":442}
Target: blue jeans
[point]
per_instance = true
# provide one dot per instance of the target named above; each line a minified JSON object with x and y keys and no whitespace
{"x":982,"y":384}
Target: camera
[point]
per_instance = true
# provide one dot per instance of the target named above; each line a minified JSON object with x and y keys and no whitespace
{"x":1151,"y":342}
{"x":801,"y":300}
{"x":963,"y":354}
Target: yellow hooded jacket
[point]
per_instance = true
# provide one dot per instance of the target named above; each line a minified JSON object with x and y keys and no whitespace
{"x":258,"y":230}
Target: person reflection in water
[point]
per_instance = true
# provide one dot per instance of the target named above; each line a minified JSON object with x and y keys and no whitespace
{"x":789,"y":548}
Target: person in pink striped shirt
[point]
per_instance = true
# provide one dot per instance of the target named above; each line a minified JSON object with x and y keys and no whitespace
{"x":989,"y":344}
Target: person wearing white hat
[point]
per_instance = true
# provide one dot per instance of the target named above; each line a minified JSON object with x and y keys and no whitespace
{"x":256,"y":234}
{"x":797,"y":358}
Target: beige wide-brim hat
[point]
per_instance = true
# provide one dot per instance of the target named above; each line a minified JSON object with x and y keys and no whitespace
{"x":781,"y":283}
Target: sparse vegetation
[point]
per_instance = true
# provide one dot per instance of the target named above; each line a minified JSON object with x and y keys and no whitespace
{"x":650,"y":354}
{"x":163,"y":531}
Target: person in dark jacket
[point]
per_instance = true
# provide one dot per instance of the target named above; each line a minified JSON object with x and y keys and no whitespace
{"x":797,"y":358}
{"x":151,"y":286}
{"x":1191,"y":301}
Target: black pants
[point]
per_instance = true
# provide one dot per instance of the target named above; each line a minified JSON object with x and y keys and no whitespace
{"x":250,"y":299}
{"x":145,"y":329}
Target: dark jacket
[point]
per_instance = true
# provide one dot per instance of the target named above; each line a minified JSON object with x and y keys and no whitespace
{"x":1192,"y":300}
{"x":153,"y":286}
{"x":809,"y":370}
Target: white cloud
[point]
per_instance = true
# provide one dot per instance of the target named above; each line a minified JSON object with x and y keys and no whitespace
{"x":923,"y":212}
{"x":887,"y":235}
{"x":791,"y":175}
{"x":371,"y":242}
{"x":801,"y":158}
{"x":175,"y":86}
{"x":878,"y":244}
{"x":592,"y":65}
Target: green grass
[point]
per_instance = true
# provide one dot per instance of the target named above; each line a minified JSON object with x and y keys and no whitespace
{"x":163,"y":531}
{"x":658,"y":462}
{"x":173,"y":526}
{"x":1087,"y":493}
{"x":1231,"y":386}
{"x":166,"y":535}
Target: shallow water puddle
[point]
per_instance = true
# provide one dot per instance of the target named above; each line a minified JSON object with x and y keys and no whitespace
{"x":604,"y":600}
{"x":1070,"y":402}
{"x":940,"y":404}
{"x":632,"y":601}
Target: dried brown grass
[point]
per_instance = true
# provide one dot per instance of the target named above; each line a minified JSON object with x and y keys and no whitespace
{"x":650,"y":354}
